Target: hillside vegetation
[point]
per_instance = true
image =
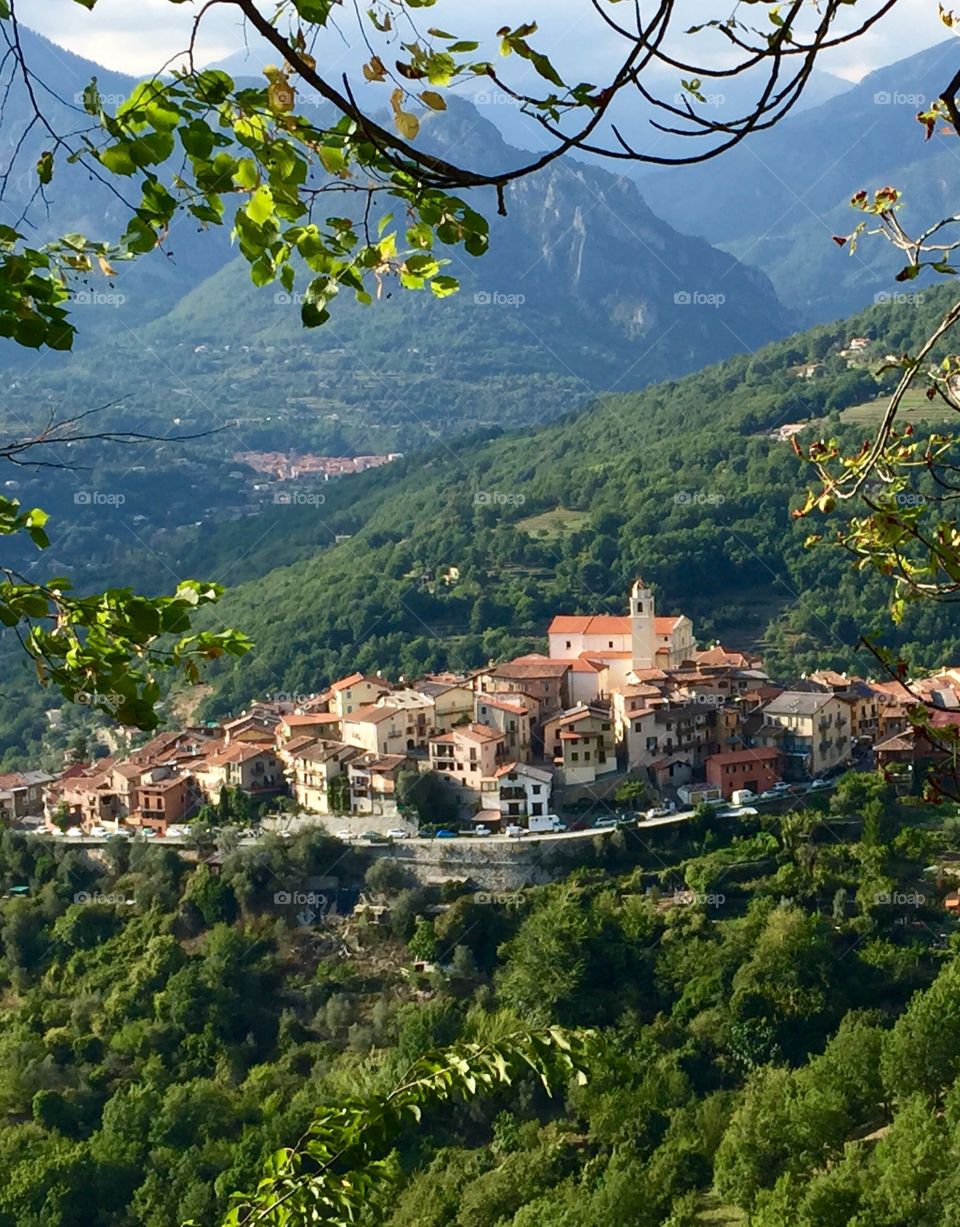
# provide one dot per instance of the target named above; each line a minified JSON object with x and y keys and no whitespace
{"x":775,"y":999}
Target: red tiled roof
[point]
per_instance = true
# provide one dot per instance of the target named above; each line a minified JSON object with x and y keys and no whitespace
{"x":589,"y":624}
{"x":323,"y":717}
{"x":346,"y":682}
{"x":478,"y":732}
{"x":371,"y":714}
{"x":502,"y":705}
{"x":518,"y":669}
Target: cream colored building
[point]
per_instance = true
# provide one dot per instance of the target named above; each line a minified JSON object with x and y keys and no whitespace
{"x":811,"y":729}
{"x":468,"y":754}
{"x":581,"y":743}
{"x":642,"y":639}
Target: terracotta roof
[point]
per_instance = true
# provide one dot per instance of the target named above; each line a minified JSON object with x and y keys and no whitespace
{"x":371,"y":714}
{"x":590,"y":624}
{"x":320,"y":751}
{"x":165,"y":785}
{"x":478,"y":732}
{"x":325,"y":717}
{"x":12,"y":779}
{"x":526,"y":668}
{"x":238,"y":752}
{"x":523,"y":769}
{"x":601,"y":655}
{"x":580,"y":713}
{"x":501,"y":704}
{"x":379,"y":762}
{"x":721,"y":656}
{"x":346,"y":682}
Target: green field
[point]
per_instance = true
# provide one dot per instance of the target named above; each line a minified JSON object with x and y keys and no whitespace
{"x":915,"y":408}
{"x":552,"y":524}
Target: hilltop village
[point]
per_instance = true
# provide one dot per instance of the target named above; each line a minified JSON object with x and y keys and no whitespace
{"x":618,"y":701}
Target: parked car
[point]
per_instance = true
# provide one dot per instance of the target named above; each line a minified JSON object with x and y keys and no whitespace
{"x":148,"y":833}
{"x":610,"y":821}
{"x":346,"y":836}
{"x":512,"y":831}
{"x":396,"y":833}
{"x":75,"y":832}
{"x":443,"y":833}
{"x":98,"y":832}
{"x":479,"y":832}
{"x":374,"y":837}
{"x":819,"y":783}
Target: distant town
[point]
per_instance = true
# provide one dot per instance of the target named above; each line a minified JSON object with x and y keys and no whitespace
{"x":620,"y":706}
{"x":284,"y":466}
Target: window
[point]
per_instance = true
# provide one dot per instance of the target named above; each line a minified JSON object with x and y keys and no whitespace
{"x":569,"y":644}
{"x":574,"y":757}
{"x":586,"y":757}
{"x":638,"y":726}
{"x":536,"y":789}
{"x":606,"y":726}
{"x":610,"y":643}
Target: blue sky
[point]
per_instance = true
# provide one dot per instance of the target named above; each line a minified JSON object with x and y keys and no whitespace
{"x":139,"y":36}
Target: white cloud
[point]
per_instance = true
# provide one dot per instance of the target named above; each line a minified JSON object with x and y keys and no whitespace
{"x":139,"y":37}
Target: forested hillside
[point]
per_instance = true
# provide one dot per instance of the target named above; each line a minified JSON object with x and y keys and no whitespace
{"x":775,"y":1001}
{"x":682,"y":482}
